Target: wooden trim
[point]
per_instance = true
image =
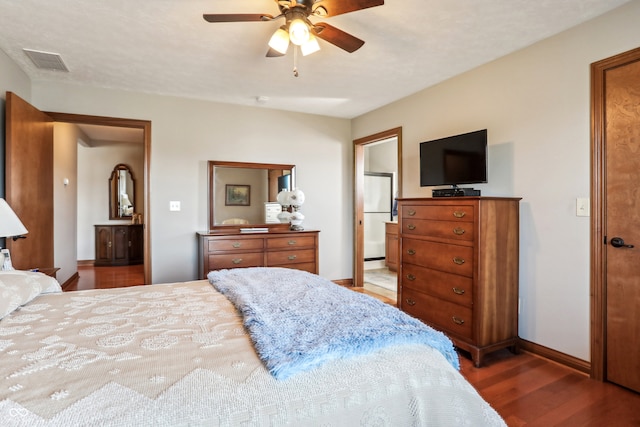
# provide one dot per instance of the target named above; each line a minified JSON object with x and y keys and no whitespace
{"x":86,"y":263}
{"x":358,"y":197}
{"x":344,"y":282}
{"x":71,"y":280}
{"x":556,"y":356}
{"x":145,"y":125}
{"x":598,"y":208}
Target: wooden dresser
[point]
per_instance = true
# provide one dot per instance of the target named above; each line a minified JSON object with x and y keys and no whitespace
{"x":391,"y":245}
{"x":232,"y":249}
{"x":459,"y":269}
{"x":119,"y":244}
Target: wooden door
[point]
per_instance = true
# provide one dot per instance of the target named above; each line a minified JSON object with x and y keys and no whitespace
{"x":617,"y":219}
{"x":622,"y":139}
{"x":104,"y":246}
{"x":29,"y":181}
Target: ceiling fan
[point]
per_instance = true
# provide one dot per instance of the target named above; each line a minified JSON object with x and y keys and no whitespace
{"x":299,"y":30}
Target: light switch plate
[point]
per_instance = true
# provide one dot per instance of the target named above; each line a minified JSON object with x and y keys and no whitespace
{"x":582,"y":206}
{"x":174,"y":206}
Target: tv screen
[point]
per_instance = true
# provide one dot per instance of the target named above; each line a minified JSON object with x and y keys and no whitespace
{"x":454,"y":160}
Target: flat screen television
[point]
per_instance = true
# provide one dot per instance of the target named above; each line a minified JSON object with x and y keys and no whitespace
{"x":454,"y":160}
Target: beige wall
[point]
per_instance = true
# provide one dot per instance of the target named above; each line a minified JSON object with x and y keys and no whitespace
{"x":186,"y":134}
{"x":12,"y":79}
{"x":535,"y":104}
{"x":65,"y":158}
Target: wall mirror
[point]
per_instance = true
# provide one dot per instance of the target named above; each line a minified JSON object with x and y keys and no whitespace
{"x":241,"y":194}
{"x":121,"y":192}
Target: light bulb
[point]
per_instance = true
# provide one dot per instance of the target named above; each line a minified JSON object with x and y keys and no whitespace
{"x":280,"y":41}
{"x":298,"y":32}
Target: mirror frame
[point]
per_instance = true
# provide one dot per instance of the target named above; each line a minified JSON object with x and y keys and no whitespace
{"x":113,"y":191}
{"x":211,"y":190}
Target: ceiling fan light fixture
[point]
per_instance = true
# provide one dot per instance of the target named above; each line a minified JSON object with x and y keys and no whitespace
{"x":280,"y":40}
{"x":310,"y":47}
{"x":299,"y":32}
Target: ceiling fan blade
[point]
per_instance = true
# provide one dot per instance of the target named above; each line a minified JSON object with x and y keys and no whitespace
{"x":272,"y":53}
{"x":338,"y":7}
{"x":236,"y":17}
{"x":337,"y":37}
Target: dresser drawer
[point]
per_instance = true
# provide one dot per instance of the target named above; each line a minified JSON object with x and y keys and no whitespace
{"x":442,"y":315}
{"x":236,"y":260}
{"x":224,"y":245}
{"x":464,"y":213}
{"x":291,"y":242}
{"x":305,"y":266}
{"x":451,"y":287}
{"x":439,"y":256}
{"x":455,"y":230}
{"x":283,"y":258}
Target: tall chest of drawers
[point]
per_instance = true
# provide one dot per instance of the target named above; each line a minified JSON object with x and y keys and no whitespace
{"x":459,"y":269}
{"x":291,"y":249}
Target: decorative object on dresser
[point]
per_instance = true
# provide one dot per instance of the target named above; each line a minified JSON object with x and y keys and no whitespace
{"x":220,"y":249}
{"x":119,"y":244}
{"x":459,"y":269}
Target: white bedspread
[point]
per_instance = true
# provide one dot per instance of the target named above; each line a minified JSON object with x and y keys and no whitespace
{"x":177,"y":354}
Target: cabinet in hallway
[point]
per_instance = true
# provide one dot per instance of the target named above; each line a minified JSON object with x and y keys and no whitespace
{"x":119,"y":244}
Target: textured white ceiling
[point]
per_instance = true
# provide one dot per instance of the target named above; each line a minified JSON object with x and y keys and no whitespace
{"x":165,"y":47}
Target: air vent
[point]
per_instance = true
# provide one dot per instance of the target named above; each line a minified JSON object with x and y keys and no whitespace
{"x":46,"y":60}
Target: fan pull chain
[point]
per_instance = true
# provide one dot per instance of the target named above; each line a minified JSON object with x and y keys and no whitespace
{"x":295,"y":61}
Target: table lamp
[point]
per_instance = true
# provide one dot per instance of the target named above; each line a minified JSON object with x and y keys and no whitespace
{"x":10,"y":226}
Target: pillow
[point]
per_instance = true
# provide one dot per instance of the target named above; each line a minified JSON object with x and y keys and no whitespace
{"x":19,"y":287}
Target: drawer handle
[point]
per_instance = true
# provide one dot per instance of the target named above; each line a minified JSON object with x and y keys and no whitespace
{"x":411,"y":277}
{"x":410,"y":302}
{"x":411,"y":251}
{"x":236,"y":244}
{"x":458,"y":291}
{"x":109,"y":245}
{"x":129,"y":243}
{"x":411,"y":226}
{"x":291,"y":242}
{"x":457,"y":320}
{"x":459,"y":231}
{"x":458,"y":260}
{"x":236,"y":260}
{"x":292,"y":257}
{"x":411,"y":212}
{"x":459,"y":214}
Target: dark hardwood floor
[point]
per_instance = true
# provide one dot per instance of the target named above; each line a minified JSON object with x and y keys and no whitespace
{"x":90,"y":277}
{"x":525,"y":389}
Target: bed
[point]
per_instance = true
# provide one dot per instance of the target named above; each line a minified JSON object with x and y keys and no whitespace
{"x":187,"y":354}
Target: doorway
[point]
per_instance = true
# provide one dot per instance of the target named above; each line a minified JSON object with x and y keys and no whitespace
{"x":361,"y":165}
{"x":615,"y":235}
{"x":116,"y":123}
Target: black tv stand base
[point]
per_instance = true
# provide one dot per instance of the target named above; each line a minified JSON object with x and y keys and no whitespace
{"x":455,"y":192}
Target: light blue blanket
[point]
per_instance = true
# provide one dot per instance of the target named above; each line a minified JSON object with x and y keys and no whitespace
{"x":298,"y":320}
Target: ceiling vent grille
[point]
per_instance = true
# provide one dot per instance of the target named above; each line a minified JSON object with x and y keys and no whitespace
{"x":46,"y":60}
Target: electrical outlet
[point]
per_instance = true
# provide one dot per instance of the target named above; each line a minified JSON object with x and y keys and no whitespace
{"x":582,"y":206}
{"x":174,"y":206}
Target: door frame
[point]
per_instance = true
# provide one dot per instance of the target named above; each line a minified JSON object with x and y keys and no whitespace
{"x":598,"y":209}
{"x":145,"y":125}
{"x":358,"y":189}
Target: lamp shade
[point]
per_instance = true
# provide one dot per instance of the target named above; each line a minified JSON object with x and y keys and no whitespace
{"x":10,"y":224}
{"x":310,"y":47}
{"x":296,"y":198}
{"x":280,"y":40}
